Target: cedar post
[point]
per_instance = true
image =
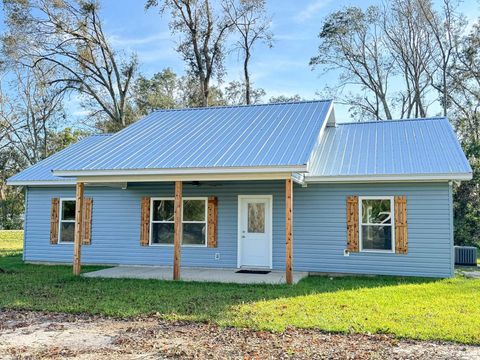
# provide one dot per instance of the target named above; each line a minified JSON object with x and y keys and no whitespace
{"x":289,"y":229}
{"x":177,"y":239}
{"x":77,"y":244}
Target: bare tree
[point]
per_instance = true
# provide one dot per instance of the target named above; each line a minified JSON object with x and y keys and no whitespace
{"x":69,"y":35}
{"x":446,"y":28}
{"x":204,"y":28}
{"x":401,"y":55}
{"x":409,"y":38}
{"x":351,"y":40}
{"x":464,"y":86}
{"x":252,"y":25}
{"x":29,"y":111}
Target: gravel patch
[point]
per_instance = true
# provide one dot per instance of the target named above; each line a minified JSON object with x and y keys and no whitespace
{"x":38,"y":335}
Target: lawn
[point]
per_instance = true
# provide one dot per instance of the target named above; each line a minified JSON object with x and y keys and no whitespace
{"x":416,"y":308}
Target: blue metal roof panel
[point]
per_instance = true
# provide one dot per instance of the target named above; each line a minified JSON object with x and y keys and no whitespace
{"x":395,"y":147}
{"x":280,"y":134}
{"x":42,"y":171}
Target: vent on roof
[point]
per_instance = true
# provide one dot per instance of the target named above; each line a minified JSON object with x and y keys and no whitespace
{"x":466,"y":255}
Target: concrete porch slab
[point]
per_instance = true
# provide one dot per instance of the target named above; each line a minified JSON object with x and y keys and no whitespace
{"x":194,"y":274}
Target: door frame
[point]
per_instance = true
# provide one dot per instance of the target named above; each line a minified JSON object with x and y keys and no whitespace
{"x":268,"y":221}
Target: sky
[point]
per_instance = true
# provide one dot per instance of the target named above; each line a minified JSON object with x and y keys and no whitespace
{"x":280,"y":70}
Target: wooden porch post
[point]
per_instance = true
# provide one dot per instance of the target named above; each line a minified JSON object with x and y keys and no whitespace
{"x":289,"y":229}
{"x":177,"y":239}
{"x":77,"y":244}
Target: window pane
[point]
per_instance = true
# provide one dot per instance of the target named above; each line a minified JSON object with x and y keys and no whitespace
{"x":163,"y":210}
{"x":162,"y":233}
{"x":67,"y":231}
{"x":194,"y":210}
{"x":376,"y":237}
{"x":68,"y":210}
{"x":193,"y":234}
{"x":376,"y":211}
{"x":256,"y":217}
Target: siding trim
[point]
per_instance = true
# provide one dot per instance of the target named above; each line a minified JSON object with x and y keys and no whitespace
{"x":389,"y":178}
{"x":25,"y":226}
{"x":451,"y":226}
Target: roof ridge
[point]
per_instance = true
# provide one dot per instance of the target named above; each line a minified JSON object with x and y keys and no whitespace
{"x":393,"y":120}
{"x":244,"y":105}
{"x":104,"y":134}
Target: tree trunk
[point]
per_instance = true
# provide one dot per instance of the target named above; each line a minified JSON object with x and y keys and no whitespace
{"x":247,"y":78}
{"x":205,"y":92}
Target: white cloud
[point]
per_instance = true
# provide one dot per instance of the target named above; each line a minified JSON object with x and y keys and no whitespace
{"x":311,"y":10}
{"x":117,"y":40}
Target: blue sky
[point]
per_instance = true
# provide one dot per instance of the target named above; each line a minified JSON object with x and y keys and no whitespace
{"x":282,"y":69}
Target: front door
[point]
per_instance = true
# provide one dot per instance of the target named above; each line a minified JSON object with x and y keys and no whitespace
{"x":255,"y":231}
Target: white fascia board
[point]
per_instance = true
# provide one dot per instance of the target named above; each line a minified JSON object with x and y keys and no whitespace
{"x":389,"y":178}
{"x":182,"y":171}
{"x":187,"y":177}
{"x":40,"y":182}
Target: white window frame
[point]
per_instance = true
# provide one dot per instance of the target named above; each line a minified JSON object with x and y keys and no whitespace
{"x":392,"y":222}
{"x":60,"y":221}
{"x":205,"y":199}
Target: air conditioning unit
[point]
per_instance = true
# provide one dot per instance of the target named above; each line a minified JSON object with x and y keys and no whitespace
{"x":466,"y":255}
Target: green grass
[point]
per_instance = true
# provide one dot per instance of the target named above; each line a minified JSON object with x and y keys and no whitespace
{"x":11,"y":242}
{"x":406,"y":307}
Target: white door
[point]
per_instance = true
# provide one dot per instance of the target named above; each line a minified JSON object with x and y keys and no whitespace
{"x":255,"y":231}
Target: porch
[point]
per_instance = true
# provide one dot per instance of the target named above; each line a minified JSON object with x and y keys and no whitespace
{"x":195,"y":274}
{"x":235,"y":224}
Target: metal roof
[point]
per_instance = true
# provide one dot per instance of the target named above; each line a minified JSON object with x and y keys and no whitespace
{"x":391,"y":147}
{"x":267,"y":135}
{"x":41,"y":172}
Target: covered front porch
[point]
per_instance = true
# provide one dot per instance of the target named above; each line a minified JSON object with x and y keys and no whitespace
{"x":232,"y":239}
{"x":195,"y":274}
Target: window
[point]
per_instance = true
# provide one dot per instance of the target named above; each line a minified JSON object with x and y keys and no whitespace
{"x":376,"y":229}
{"x":256,"y":217}
{"x":66,"y":233}
{"x":194,"y":221}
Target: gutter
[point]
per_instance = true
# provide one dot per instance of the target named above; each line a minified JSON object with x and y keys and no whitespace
{"x":389,"y":178}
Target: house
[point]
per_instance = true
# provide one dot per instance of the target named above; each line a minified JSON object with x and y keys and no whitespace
{"x":277,"y":186}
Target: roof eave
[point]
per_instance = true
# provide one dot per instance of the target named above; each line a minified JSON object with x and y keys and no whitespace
{"x":183,"y":171}
{"x":40,"y":182}
{"x":390,"y":178}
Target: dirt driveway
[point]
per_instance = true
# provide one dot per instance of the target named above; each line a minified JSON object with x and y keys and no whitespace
{"x":32,"y":335}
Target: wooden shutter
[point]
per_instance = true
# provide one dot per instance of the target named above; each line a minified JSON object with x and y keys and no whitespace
{"x":352,"y":223}
{"x":212,"y":222}
{"x":401,"y":228}
{"x":54,"y":215}
{"x":87,"y":221}
{"x":145,"y":222}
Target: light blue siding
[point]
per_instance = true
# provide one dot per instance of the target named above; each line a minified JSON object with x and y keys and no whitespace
{"x":320,"y":230}
{"x":116,"y":225}
{"x":319,"y":227}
